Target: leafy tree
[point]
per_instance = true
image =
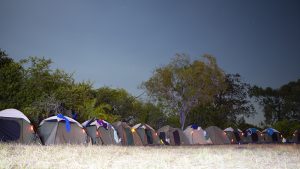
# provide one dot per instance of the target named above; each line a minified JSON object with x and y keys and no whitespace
{"x":229,"y":107}
{"x":183,"y":84}
{"x":90,"y":110}
{"x":286,"y":127}
{"x":122,"y":103}
{"x":150,"y":114}
{"x":11,"y":81}
{"x":279,"y":104}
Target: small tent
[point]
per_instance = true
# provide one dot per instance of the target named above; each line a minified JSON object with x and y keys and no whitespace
{"x":172,"y":136}
{"x":253,"y":135}
{"x":16,"y":127}
{"x":235,"y":136}
{"x":101,"y":132}
{"x":296,"y":136}
{"x":217,"y":135}
{"x":147,"y":134}
{"x":128,"y":135}
{"x":271,"y":135}
{"x":61,"y":130}
{"x":195,"y":135}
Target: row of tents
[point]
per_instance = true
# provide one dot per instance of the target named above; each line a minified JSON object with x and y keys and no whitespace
{"x":16,"y":127}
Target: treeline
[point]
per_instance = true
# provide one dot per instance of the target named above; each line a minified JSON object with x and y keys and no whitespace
{"x":180,"y":93}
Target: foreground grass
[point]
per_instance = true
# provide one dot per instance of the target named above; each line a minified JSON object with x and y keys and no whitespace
{"x":70,"y":156}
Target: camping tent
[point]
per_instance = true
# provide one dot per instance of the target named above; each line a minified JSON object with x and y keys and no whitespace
{"x":253,"y":135}
{"x":16,"y":127}
{"x":147,"y":134}
{"x":271,"y":135}
{"x":101,"y":132}
{"x":195,"y":135}
{"x":217,"y":135}
{"x":172,"y":136}
{"x":127,"y":134}
{"x":234,"y":135}
{"x":61,"y":129}
{"x":296,"y":136}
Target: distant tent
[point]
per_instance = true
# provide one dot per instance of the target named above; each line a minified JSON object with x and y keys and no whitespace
{"x":172,"y":136}
{"x":147,"y":134}
{"x":195,"y":135}
{"x":253,"y":135}
{"x":235,"y":136}
{"x":61,"y":130}
{"x":16,"y":127}
{"x":296,"y":136}
{"x":101,"y":132}
{"x":128,"y":135}
{"x":217,"y":135}
{"x":271,"y":135}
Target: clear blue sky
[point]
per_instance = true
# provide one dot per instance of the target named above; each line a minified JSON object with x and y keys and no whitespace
{"x":119,"y":43}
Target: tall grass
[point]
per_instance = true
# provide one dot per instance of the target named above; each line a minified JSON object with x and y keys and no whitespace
{"x":75,"y":156}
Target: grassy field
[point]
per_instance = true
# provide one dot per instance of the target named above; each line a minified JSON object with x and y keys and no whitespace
{"x":70,"y":156}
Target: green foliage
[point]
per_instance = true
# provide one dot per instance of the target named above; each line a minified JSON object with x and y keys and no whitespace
{"x":229,"y":107}
{"x":279,"y":104}
{"x":89,"y":110}
{"x":183,"y":84}
{"x":286,"y":127}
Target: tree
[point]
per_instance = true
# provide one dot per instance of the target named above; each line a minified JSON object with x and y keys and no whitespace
{"x":229,"y":106}
{"x":183,"y":84}
{"x":279,"y":104}
{"x":11,"y":82}
{"x":121,"y":101}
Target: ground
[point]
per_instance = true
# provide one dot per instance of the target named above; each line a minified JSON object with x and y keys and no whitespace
{"x":71,"y":156}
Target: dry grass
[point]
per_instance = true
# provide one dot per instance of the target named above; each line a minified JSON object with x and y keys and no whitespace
{"x":69,"y":156}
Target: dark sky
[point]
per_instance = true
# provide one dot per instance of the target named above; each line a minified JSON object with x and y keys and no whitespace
{"x":119,"y":43}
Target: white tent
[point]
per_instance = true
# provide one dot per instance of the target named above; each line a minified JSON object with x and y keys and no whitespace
{"x":13,"y":113}
{"x":195,"y":136}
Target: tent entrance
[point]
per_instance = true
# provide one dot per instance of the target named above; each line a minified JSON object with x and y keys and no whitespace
{"x":176,"y":137}
{"x":254,"y":137}
{"x":129,"y":136}
{"x":274,"y":137}
{"x":149,"y":136}
{"x":162,"y":136}
{"x":237,"y":136}
{"x":10,"y":130}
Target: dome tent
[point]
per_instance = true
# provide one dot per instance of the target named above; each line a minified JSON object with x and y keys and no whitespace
{"x":101,"y":132}
{"x":296,"y":136}
{"x":172,"y":136}
{"x":271,"y":135}
{"x":128,"y":135}
{"x":16,"y":127}
{"x":253,"y":135}
{"x":61,"y":130}
{"x":235,"y":136}
{"x":217,"y":135}
{"x":147,"y":134}
{"x":195,"y":135}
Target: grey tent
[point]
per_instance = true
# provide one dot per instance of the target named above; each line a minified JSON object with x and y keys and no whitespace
{"x":128,"y":135}
{"x":217,"y":135}
{"x":235,"y":136}
{"x":253,"y":135}
{"x":172,"y":136}
{"x":61,"y":130}
{"x":147,"y":134}
{"x":16,"y":127}
{"x":101,"y":132}
{"x":296,"y":136}
{"x":271,"y":135}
